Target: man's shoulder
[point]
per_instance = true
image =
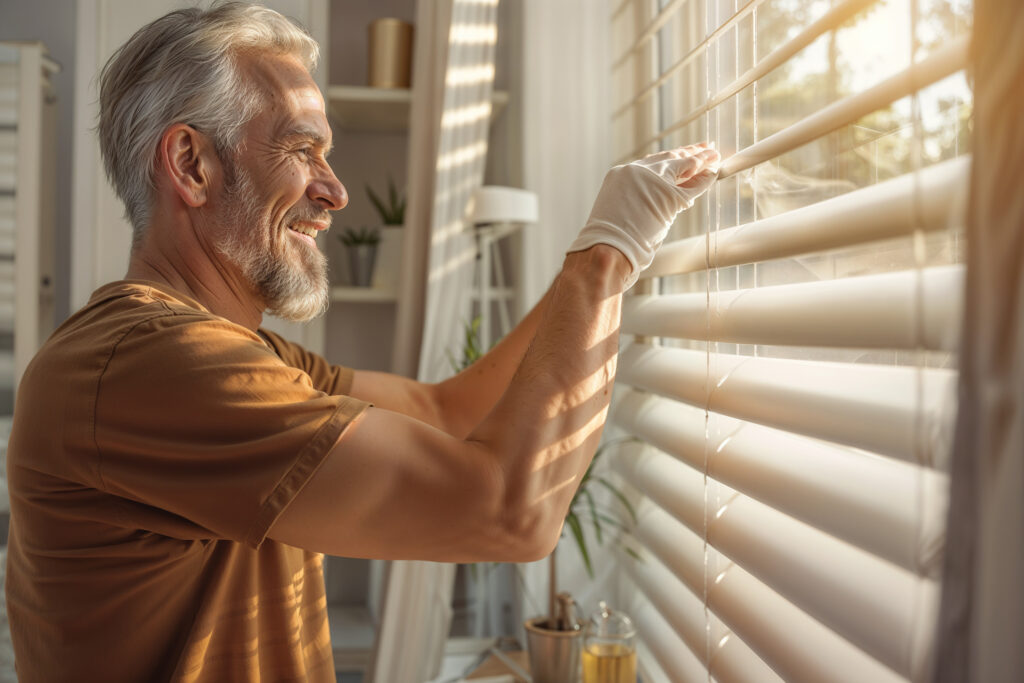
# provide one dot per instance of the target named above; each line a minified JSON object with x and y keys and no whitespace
{"x":119,"y":308}
{"x":156,"y":318}
{"x":130,"y":301}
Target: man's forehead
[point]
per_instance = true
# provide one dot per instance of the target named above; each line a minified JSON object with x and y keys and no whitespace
{"x":291,"y":95}
{"x":281,"y":75}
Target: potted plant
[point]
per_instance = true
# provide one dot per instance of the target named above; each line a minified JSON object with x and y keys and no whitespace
{"x":471,"y":350}
{"x":555,"y":640}
{"x":391,"y":209}
{"x":361,"y":247}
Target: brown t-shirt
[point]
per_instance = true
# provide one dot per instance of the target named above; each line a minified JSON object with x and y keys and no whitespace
{"x":154,"y":444}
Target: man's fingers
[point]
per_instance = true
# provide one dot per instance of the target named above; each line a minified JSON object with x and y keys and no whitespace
{"x":665,"y":155}
{"x":688,"y":167}
{"x":679,"y":152}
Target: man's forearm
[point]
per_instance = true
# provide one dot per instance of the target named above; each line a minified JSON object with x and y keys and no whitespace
{"x":466,"y":399}
{"x":458,"y":404}
{"x":546,"y":426}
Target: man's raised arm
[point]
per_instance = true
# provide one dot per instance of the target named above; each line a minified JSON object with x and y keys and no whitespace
{"x":394,"y":487}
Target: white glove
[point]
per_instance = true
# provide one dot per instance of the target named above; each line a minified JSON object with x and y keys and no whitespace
{"x":639,"y":201}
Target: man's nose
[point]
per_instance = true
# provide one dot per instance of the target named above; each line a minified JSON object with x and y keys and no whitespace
{"x":327,"y":191}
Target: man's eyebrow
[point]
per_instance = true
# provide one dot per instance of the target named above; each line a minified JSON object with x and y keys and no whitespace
{"x":311,"y":134}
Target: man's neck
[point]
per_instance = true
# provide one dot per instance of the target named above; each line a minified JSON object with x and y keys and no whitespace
{"x":197,"y":272}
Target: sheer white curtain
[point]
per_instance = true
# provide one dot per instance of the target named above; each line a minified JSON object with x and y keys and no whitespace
{"x":452,"y":85}
{"x":565,"y":127}
{"x":982,"y":614}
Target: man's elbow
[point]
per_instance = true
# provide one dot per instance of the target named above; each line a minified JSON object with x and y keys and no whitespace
{"x":540,"y":545}
{"x":530,"y":531}
{"x":523,"y":525}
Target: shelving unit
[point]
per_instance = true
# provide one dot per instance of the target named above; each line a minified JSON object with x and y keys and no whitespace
{"x":371,"y":130}
{"x":362,"y":109}
{"x":380,"y":110}
{"x":363,"y":295}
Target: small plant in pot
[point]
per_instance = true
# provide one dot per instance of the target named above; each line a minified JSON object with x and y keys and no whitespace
{"x":361,"y":247}
{"x":555,"y":640}
{"x":390,"y":208}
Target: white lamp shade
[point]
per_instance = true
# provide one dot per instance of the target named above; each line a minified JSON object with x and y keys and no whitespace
{"x":495,"y":204}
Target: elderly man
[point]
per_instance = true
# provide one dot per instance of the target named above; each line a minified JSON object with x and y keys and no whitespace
{"x":176,"y":471}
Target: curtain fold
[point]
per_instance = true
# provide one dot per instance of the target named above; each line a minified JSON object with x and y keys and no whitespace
{"x":565,"y":128}
{"x":449,"y":122}
{"x":982,"y":612}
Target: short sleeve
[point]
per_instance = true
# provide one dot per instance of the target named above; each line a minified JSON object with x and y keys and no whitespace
{"x":328,"y":378}
{"x":199,"y":418}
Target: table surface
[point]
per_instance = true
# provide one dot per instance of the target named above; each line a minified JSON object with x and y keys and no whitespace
{"x":493,"y":666}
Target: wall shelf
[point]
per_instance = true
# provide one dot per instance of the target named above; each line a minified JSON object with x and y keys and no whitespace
{"x":381,"y":110}
{"x":362,"y":295}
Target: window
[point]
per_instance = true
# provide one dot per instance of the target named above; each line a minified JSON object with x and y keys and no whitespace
{"x":789,"y":361}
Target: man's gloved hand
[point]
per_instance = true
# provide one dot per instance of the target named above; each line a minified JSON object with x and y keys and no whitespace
{"x":639,"y":201}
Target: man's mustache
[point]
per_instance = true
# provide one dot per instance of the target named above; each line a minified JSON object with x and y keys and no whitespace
{"x":308,"y":214}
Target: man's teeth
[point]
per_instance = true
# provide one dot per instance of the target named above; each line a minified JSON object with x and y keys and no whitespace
{"x":305,"y":230}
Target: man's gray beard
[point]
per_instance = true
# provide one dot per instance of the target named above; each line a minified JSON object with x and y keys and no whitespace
{"x":288,"y":291}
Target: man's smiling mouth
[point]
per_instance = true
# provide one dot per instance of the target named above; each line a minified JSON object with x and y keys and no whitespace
{"x":307,"y":230}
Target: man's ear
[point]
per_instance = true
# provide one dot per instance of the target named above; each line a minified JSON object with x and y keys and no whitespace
{"x":187,"y":158}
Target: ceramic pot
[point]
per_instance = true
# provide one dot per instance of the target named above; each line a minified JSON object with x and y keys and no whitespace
{"x":389,"y":258}
{"x":361,"y":259}
{"x":555,"y":656}
{"x":390,"y":58}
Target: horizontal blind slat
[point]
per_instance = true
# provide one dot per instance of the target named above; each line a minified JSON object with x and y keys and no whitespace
{"x":659,"y":20}
{"x":870,"y":602}
{"x":621,"y":6}
{"x":835,"y":17}
{"x":888,"y":508}
{"x":832,"y":401}
{"x":672,"y":656}
{"x":683,"y":612}
{"x":872,"y":311}
{"x":878,"y":212}
{"x":667,"y":73}
{"x":945,"y":61}
{"x":796,"y":646}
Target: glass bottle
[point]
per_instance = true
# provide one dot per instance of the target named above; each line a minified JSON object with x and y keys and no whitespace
{"x":609,"y":647}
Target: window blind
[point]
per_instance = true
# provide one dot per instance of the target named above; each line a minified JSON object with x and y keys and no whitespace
{"x":788,"y":367}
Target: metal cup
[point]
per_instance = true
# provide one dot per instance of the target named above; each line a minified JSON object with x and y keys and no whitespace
{"x":554,"y":655}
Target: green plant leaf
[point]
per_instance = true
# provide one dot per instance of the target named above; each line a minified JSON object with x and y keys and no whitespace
{"x":397,"y":203}
{"x":612,"y":521}
{"x":471,"y":350}
{"x":577,"y":531}
{"x":392,"y":212}
{"x":620,"y":496}
{"x":590,"y":470}
{"x":377,"y":202}
{"x":593,"y":516}
{"x":632,"y":553}
{"x":352,"y":237}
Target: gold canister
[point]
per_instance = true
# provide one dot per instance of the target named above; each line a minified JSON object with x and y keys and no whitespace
{"x":390,"y":55}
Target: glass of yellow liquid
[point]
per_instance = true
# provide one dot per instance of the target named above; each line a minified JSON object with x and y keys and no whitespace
{"x":609,"y":647}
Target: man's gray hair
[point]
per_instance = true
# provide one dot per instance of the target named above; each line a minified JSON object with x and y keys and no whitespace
{"x":183,"y":68}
